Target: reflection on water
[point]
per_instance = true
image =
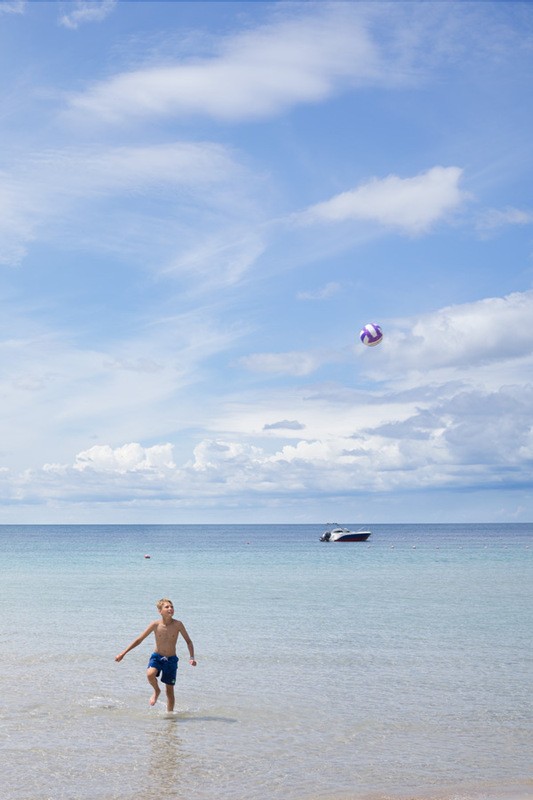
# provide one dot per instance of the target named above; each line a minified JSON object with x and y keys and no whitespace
{"x":167,"y":758}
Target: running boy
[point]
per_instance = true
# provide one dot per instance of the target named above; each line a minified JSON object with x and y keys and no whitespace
{"x":164,"y":660}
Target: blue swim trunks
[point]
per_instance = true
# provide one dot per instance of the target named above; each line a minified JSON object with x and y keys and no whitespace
{"x":167,"y":666}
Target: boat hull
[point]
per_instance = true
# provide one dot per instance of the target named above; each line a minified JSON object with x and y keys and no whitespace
{"x":351,"y":537}
{"x":345,"y":535}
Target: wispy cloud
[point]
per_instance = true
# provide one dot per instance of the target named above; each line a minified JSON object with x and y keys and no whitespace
{"x":323,"y":293}
{"x":82,"y":11}
{"x":97,"y":170}
{"x":410,"y":204}
{"x":224,"y":255}
{"x":139,"y":385}
{"x":13,"y":6}
{"x":290,"y":363}
{"x":494,"y":218}
{"x":303,"y":57}
{"x":253,"y":74}
{"x":60,"y":185}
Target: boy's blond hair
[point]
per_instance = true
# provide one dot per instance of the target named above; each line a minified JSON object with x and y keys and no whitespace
{"x":161,"y":603}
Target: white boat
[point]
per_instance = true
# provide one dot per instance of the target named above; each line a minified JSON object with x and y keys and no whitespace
{"x":336,"y":533}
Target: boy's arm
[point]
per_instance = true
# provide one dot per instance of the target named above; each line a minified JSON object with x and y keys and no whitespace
{"x":190,"y":645}
{"x":150,"y":629}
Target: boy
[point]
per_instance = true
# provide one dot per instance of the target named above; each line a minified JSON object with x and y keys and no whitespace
{"x":164,"y":660}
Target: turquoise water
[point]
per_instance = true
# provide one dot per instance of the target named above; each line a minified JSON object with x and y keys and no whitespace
{"x":399,"y":667}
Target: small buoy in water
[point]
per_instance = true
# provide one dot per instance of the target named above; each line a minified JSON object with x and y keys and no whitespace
{"x":147,"y":556}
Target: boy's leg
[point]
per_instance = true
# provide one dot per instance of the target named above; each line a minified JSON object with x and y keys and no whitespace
{"x":151,"y":675}
{"x":170,"y":697}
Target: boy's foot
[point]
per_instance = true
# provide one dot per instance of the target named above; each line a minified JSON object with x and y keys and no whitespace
{"x":153,"y":699}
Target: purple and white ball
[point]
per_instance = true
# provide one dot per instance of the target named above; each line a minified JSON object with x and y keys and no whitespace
{"x":371,"y":334}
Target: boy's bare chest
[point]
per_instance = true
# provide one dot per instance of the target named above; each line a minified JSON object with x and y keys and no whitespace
{"x":166,"y":637}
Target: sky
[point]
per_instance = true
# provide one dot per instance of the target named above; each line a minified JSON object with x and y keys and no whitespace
{"x":203,"y":203}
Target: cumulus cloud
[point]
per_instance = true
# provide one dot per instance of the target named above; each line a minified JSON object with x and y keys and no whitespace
{"x":489,"y":427}
{"x":253,"y":74}
{"x":463,"y":422}
{"x":447,"y":444}
{"x":82,"y":11}
{"x":454,"y":437}
{"x":463,"y":337}
{"x":128,"y":458}
{"x":210,"y":454}
{"x":411,"y":204}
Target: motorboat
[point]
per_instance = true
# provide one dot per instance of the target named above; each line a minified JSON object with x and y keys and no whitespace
{"x":336,"y":533}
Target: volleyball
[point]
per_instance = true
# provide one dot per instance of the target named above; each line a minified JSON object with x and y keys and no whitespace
{"x":371,"y":334}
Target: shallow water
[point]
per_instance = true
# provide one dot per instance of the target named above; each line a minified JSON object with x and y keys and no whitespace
{"x":393,"y":668}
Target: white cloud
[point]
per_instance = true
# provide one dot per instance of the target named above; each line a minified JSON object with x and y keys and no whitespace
{"x":210,"y":454}
{"x":82,"y":11}
{"x":453,"y":409}
{"x":465,"y":439}
{"x":254,"y":74}
{"x":449,"y":343}
{"x":310,"y":52}
{"x":128,"y":458}
{"x":410,"y":204}
{"x":453,"y":438}
{"x":457,"y":340}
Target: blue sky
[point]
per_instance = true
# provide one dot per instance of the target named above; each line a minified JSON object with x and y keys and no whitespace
{"x":201,"y":204}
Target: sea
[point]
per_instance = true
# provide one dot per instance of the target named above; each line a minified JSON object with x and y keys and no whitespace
{"x":394,"y":668}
